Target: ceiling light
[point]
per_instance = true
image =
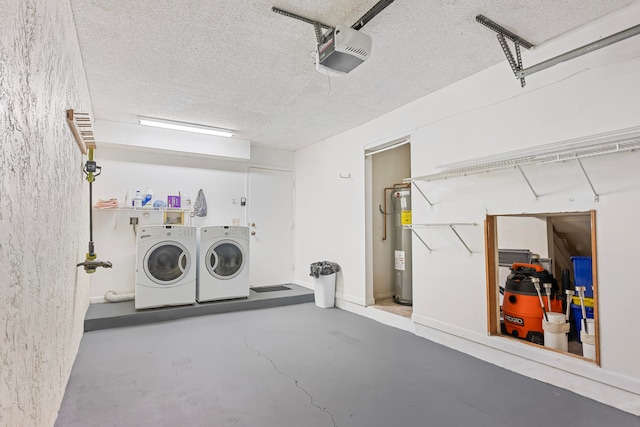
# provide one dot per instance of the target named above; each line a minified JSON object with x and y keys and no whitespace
{"x":187,"y":127}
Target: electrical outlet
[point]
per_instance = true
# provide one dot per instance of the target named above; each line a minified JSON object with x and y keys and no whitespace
{"x":133,"y":220}
{"x":235,"y":221}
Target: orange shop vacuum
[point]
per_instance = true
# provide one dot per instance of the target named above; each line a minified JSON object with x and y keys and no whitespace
{"x":522,"y":304}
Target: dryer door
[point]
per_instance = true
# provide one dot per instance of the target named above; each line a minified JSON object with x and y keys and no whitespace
{"x":166,"y":263}
{"x":225,"y":259}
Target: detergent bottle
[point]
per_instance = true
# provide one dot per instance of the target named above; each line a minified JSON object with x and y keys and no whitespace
{"x":148,"y":197}
{"x":137,"y":199}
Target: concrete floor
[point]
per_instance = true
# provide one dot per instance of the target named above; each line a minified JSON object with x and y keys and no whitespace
{"x":300,"y":365}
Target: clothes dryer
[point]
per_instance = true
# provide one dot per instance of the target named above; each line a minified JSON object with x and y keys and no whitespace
{"x":223,"y":263}
{"x":165,"y":266}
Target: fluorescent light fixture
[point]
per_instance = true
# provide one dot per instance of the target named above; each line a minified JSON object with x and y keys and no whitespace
{"x":186,"y":127}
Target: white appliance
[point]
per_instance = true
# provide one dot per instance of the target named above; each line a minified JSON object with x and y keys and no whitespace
{"x":342,"y":50}
{"x":223,"y":263}
{"x":165,"y":266}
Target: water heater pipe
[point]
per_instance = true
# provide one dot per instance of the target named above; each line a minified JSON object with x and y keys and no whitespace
{"x":384,"y":211}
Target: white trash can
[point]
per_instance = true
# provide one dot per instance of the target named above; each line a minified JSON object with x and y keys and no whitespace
{"x":324,"y":283}
{"x":324,"y":290}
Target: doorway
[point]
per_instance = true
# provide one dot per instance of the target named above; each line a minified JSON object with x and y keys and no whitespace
{"x":270,"y":204}
{"x":559,"y":249}
{"x":387,"y":168}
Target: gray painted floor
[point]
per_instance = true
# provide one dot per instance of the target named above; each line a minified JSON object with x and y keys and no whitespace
{"x":300,"y":365}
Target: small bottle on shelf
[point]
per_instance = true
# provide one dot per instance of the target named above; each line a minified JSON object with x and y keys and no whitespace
{"x":137,"y":199}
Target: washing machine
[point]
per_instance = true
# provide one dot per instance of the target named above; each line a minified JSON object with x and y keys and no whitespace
{"x":165,"y":266}
{"x":223,"y":263}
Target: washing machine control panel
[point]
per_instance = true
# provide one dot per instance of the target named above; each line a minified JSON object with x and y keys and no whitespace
{"x":226,"y":231}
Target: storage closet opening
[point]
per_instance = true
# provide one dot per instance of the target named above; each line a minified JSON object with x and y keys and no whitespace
{"x":542,"y":281}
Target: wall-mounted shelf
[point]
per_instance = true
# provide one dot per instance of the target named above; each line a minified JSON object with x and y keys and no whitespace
{"x":143,"y":209}
{"x":170,"y":216}
{"x":572,"y":150}
{"x":451,"y":225}
{"x":82,"y":129}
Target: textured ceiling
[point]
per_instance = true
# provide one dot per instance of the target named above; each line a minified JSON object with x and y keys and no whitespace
{"x":238,"y":65}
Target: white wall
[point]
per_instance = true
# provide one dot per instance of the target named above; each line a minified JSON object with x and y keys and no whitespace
{"x":516,"y":232}
{"x":223,"y":183}
{"x":486,"y":114}
{"x":43,"y":209}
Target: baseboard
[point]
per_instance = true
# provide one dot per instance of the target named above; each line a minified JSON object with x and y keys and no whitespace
{"x":352,"y":299}
{"x":381,"y":316}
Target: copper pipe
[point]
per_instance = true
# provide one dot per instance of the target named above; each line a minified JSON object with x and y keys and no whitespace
{"x":384,"y":211}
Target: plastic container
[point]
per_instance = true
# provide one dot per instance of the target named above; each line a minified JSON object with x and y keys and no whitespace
{"x":556,"y":331}
{"x":588,"y":302}
{"x":577,"y":316}
{"x":582,"y":274}
{"x":148,"y":197}
{"x":185,"y":198}
{"x":324,"y":290}
{"x":324,"y":283}
{"x":589,"y":341}
{"x":137,"y":199}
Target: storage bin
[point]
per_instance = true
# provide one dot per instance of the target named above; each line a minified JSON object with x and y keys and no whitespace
{"x":582,"y":274}
{"x":588,"y":302}
{"x":577,"y":316}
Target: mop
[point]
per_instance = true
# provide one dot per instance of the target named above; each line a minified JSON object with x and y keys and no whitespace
{"x":91,"y":262}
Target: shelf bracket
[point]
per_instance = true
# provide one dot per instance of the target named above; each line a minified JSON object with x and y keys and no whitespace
{"x":420,"y":238}
{"x":528,"y":183}
{"x":460,"y":238}
{"x":503,"y":34}
{"x":596,"y":196}
{"x":415,"y":184}
{"x":450,"y":225}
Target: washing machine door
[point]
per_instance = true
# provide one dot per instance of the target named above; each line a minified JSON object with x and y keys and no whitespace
{"x":166,"y":263}
{"x":225,"y":259}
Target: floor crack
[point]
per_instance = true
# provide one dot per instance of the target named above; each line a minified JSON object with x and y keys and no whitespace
{"x":284,"y":374}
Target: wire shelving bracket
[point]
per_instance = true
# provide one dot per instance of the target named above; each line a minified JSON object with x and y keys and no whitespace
{"x":451,"y":225}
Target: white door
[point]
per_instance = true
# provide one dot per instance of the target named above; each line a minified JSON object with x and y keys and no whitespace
{"x":270,"y":203}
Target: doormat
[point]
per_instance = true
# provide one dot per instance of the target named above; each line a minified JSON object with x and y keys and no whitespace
{"x":271,"y":288}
